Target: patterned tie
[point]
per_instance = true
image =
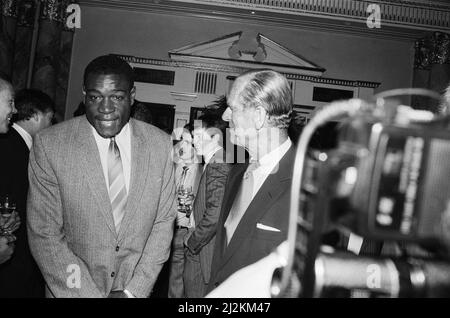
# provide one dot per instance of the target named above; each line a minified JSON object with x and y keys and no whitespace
{"x":242,"y":201}
{"x":183,"y":176}
{"x":117,"y":190}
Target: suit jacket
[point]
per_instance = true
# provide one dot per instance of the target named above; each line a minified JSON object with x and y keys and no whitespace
{"x":70,"y":224}
{"x":269,"y":207}
{"x":206,"y":211}
{"x":19,"y":277}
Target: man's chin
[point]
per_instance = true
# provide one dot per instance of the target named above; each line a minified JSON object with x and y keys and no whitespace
{"x":106,"y":133}
{"x":4,"y":128}
{"x":107,"y":129}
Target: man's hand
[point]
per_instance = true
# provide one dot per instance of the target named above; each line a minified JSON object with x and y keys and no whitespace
{"x":6,"y":250}
{"x":10,"y":224}
{"x":117,"y":294}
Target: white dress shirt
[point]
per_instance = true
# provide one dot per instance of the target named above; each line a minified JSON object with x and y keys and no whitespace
{"x":24,"y":134}
{"x":267,"y":163}
{"x":123,"y":141}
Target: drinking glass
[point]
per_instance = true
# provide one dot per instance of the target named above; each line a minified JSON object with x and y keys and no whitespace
{"x":6,"y":210}
{"x":184,"y":193}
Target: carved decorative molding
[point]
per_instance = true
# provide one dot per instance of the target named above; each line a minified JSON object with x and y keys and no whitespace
{"x":400,"y":19}
{"x":9,"y":8}
{"x":433,"y":49}
{"x":395,"y":12}
{"x":238,"y":70}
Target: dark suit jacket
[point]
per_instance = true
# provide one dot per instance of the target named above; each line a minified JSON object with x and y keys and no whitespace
{"x":269,"y":207}
{"x":20,"y":276}
{"x":207,"y":209}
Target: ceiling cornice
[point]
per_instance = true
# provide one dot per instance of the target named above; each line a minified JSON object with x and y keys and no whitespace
{"x":305,"y":21}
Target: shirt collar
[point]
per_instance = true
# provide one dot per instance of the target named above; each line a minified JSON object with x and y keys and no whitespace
{"x":210,"y":154}
{"x":272,"y":158}
{"x":121,"y":138}
{"x":24,"y":134}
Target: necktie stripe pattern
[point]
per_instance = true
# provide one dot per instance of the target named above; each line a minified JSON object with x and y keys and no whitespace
{"x":117,"y":190}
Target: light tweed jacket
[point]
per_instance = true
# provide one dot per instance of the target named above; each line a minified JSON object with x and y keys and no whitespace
{"x":70,"y":223}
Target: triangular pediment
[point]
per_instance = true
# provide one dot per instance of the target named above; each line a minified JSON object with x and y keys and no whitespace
{"x":247,"y":50}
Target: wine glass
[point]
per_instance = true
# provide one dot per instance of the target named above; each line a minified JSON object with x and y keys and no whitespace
{"x":6,"y":210}
{"x":185,"y":205}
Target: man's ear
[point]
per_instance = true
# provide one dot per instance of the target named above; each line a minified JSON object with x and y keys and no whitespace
{"x":260,"y":117}
{"x":36,"y":117}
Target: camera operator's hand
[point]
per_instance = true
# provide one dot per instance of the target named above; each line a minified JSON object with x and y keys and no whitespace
{"x":6,"y":249}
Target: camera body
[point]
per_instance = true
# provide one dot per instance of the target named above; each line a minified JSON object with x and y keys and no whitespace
{"x":386,"y":181}
{"x":396,"y":179}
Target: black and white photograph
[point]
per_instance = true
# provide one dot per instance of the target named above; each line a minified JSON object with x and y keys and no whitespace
{"x":234,"y":151}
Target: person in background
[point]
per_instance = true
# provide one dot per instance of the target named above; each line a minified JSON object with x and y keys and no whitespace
{"x":141,"y":112}
{"x":199,"y":243}
{"x":7,"y":110}
{"x":80,"y":111}
{"x":102,"y":204}
{"x":20,"y":277}
{"x":188,"y":170}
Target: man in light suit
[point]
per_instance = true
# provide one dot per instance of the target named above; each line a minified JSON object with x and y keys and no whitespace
{"x":101,"y":205}
{"x":199,"y":243}
{"x":255,"y":210}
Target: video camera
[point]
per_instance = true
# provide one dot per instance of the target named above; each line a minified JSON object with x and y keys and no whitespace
{"x":387,"y":184}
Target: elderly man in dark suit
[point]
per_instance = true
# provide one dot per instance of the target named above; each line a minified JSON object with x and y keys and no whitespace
{"x":255,"y":210}
{"x":101,"y":205}
{"x":208,"y":142}
{"x":20,"y":277}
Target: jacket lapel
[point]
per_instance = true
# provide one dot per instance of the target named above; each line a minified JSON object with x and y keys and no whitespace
{"x":232,"y":187}
{"x":271,"y":189}
{"x":140,"y":164}
{"x":89,"y":156}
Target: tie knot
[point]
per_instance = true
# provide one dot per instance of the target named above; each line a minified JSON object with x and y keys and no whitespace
{"x":254,"y":164}
{"x":113,"y":148}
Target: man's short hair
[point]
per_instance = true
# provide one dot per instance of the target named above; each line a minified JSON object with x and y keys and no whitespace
{"x":109,"y":64}
{"x":211,"y":116}
{"x":5,"y":80}
{"x":29,"y":102}
{"x":272,"y":91}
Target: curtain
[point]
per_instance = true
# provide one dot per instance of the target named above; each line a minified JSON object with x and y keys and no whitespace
{"x":36,"y":47}
{"x":431,"y":68}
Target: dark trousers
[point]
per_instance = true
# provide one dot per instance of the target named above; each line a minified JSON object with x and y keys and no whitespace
{"x":176,"y":286}
{"x":194,"y":284}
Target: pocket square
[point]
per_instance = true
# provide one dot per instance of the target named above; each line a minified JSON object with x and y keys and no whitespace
{"x":266,"y":228}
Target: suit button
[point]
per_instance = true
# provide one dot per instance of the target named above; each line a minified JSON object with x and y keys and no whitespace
{"x":216,"y":284}
{"x":113,"y":274}
{"x":117,"y":248}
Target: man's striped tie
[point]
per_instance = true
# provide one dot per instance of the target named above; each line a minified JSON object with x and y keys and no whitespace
{"x":117,"y":190}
